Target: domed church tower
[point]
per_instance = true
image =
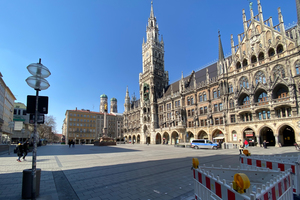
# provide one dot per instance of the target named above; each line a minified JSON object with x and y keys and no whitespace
{"x":113,"y":105}
{"x":103,"y":102}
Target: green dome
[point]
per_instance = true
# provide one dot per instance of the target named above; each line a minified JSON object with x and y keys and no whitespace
{"x":113,"y":99}
{"x":103,"y":96}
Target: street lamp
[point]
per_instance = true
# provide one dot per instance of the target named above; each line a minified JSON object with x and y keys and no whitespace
{"x":37,"y":82}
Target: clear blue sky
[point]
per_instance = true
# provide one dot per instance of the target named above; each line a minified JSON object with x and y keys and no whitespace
{"x":94,"y":47}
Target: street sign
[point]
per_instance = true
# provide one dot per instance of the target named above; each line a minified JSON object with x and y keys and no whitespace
{"x":39,"y":121}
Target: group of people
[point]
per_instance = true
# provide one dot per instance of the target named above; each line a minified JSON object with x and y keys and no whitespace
{"x":71,"y":142}
{"x":22,"y":150}
{"x":245,"y":144}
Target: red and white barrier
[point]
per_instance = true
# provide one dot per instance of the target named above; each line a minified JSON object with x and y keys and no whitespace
{"x":216,"y":183}
{"x":281,"y":163}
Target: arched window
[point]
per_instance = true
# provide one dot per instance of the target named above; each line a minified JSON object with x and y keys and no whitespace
{"x":278,"y":70}
{"x":244,"y":82}
{"x":230,"y":89}
{"x":262,"y":97}
{"x":214,"y":94}
{"x":245,"y":63}
{"x":231,"y":103}
{"x":253,"y":59}
{"x":279,"y":49}
{"x":204,"y":97}
{"x":261,"y":56}
{"x":271,"y":52}
{"x":200,"y":98}
{"x":246,"y":100}
{"x":188,"y":101}
{"x":282,"y":93}
{"x":192,"y":100}
{"x":260,"y":77}
{"x":297,"y":66}
{"x":238,"y":65}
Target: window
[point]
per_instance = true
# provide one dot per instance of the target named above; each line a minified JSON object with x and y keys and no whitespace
{"x":201,"y":111}
{"x":216,"y":121}
{"x":253,"y":59}
{"x":231,"y":103}
{"x":205,"y":109}
{"x":192,"y":112}
{"x":24,"y":112}
{"x":192,"y":101}
{"x":200,"y":98}
{"x":215,"y":94}
{"x":263,"y":97}
{"x":189,"y":113}
{"x":261,"y":56}
{"x":204,"y":97}
{"x":271,"y":52}
{"x":221,"y":120}
{"x":282,"y":93}
{"x":230,"y":90}
{"x":245,"y":63}
{"x":215,"y":107}
{"x":260,"y":77}
{"x":188,"y":101}
{"x":246,"y":100}
{"x":220,"y":106}
{"x":202,"y":122}
{"x":297,"y":66}
{"x":279,"y":49}
{"x":219,"y":93}
{"x":238,"y":65}
{"x":176,"y":104}
{"x":244,"y":82}
{"x":232,"y":118}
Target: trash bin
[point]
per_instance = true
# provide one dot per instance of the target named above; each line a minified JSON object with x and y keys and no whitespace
{"x":26,"y":183}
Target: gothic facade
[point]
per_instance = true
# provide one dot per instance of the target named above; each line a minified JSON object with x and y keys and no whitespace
{"x":252,"y":94}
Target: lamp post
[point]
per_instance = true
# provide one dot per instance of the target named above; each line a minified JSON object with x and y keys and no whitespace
{"x":37,"y":82}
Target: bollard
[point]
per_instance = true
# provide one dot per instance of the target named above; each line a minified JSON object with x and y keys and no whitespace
{"x":26,"y":183}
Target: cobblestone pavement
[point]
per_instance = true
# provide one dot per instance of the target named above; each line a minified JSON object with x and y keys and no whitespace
{"x":125,"y":172}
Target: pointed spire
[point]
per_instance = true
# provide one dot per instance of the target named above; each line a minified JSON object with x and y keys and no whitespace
{"x":221,"y":53}
{"x":298,"y":11}
{"x":181,"y":75}
{"x":127,"y":93}
{"x":162,"y":39}
{"x":143,"y":40}
{"x":151,"y":13}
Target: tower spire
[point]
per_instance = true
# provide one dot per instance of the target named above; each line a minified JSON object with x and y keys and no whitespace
{"x":298,"y":11}
{"x":151,"y":13}
{"x":221,"y":53}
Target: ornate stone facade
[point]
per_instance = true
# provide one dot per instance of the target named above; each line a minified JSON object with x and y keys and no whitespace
{"x":252,"y":94}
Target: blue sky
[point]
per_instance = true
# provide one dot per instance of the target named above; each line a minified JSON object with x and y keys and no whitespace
{"x":94,"y":47}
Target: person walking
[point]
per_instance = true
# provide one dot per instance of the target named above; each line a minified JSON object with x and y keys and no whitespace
{"x":19,"y":152}
{"x":70,"y":143}
{"x":241,"y":146}
{"x":265,"y":144}
{"x":25,"y":149}
{"x":246,"y":143}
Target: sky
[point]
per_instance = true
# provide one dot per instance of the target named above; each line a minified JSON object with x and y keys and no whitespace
{"x":94,"y":47}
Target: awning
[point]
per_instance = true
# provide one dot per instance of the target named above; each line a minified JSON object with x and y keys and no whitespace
{"x":218,"y":138}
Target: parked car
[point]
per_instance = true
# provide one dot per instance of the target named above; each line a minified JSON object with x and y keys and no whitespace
{"x":203,"y":143}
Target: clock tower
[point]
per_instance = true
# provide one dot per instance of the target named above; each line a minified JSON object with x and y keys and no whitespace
{"x":154,"y":78}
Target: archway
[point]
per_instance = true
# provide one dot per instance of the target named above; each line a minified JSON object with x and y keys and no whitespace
{"x":286,"y":136}
{"x":133,"y":139}
{"x":218,"y":135}
{"x":138,"y":139}
{"x":166,"y":138}
{"x":174,"y":138}
{"x":189,"y":137}
{"x":202,"y":135}
{"x":267,"y":134}
{"x":129,"y":139}
{"x":158,"y":138}
{"x":249,"y":135}
{"x":148,"y":140}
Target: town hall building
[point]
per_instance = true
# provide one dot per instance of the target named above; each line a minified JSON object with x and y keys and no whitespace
{"x":252,"y":94}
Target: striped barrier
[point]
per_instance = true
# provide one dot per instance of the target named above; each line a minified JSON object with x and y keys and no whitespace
{"x":281,"y":163}
{"x":216,"y":183}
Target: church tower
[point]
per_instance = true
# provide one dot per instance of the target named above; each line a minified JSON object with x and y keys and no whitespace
{"x":154,"y":78}
{"x":103,"y":103}
{"x":127,"y":101}
{"x":113,"y":105}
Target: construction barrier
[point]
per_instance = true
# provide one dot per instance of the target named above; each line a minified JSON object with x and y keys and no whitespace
{"x":216,"y":183}
{"x":281,"y":163}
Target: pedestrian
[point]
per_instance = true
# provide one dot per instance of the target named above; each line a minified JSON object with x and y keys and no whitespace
{"x":70,"y":143}
{"x":19,"y":151}
{"x":73,"y":144}
{"x":25,"y":149}
{"x":241,"y":146}
{"x":265,"y":144}
{"x":220,"y":144}
{"x":246,"y":144}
